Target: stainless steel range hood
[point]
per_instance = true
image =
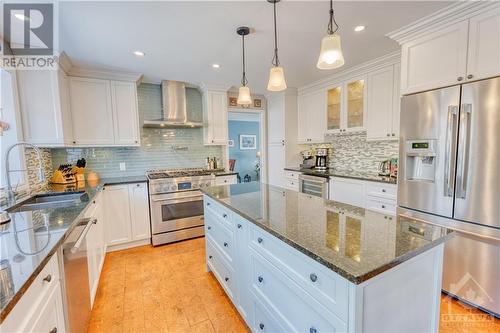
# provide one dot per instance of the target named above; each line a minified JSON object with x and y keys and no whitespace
{"x":173,"y":108}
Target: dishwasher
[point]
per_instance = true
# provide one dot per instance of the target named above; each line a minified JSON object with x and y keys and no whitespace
{"x":76,"y":277}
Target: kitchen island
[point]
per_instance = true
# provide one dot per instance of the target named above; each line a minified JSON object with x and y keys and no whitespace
{"x":294,"y":262}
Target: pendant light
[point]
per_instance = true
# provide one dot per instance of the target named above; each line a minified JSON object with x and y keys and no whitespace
{"x":330,"y":55}
{"x":276,"y":74}
{"x":244,"y":97}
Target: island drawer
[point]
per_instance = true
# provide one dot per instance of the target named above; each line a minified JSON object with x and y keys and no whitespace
{"x":221,"y":235}
{"x":292,"y":184}
{"x":381,"y":205}
{"x":381,"y":190}
{"x":226,"y":180}
{"x":293,"y":305}
{"x":223,"y":213}
{"x":222,"y":271}
{"x":264,"y":320}
{"x":324,"y":285}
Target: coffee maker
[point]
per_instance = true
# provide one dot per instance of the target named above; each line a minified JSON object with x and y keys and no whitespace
{"x":321,"y":159}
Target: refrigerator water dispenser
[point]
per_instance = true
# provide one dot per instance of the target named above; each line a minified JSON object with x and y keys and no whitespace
{"x":420,"y":160}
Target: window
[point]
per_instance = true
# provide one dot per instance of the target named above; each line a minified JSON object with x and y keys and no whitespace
{"x":10,"y":132}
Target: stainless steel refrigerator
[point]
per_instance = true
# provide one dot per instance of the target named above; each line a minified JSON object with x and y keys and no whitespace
{"x":450,"y":175}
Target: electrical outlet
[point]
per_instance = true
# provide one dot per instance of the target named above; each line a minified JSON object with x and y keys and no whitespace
{"x":122,"y":166}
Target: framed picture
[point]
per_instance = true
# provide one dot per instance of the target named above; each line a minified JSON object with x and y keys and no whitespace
{"x":230,"y":143}
{"x":233,"y":101}
{"x":257,"y":103}
{"x":248,"y":142}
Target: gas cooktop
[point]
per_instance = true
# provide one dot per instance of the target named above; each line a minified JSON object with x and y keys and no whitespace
{"x":177,"y":173}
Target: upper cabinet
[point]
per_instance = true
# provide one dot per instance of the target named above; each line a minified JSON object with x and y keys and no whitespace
{"x":464,"y":51}
{"x":383,"y":104}
{"x":104,"y":112}
{"x":311,"y":117}
{"x":215,"y":117}
{"x":44,"y":103}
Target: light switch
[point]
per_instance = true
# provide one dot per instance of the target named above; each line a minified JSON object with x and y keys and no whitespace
{"x":122,"y":166}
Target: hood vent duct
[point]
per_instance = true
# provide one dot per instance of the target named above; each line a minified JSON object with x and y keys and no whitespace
{"x":174,"y":111}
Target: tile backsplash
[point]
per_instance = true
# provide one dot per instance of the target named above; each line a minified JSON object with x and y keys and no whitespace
{"x":157,"y":145}
{"x":352,"y":152}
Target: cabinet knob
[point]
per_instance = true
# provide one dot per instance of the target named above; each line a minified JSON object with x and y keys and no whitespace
{"x":239,"y":226}
{"x":226,"y":244}
{"x":388,"y":134}
{"x":260,"y":278}
{"x":383,"y":206}
{"x":209,"y":228}
{"x":460,"y":78}
{"x":313,"y":330}
{"x":209,"y":257}
{"x":259,"y":240}
{"x":224,"y":215}
{"x":470,"y":76}
{"x":261,"y":326}
{"x":138,"y":185}
{"x":313,"y":277}
{"x":48,"y":278}
{"x":54,"y":330}
{"x":383,"y":190}
{"x":208,"y":203}
{"x":227,"y":279}
{"x":385,"y":217}
{"x":74,"y":142}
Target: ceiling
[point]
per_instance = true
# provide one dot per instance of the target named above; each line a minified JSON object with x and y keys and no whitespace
{"x":183,"y":39}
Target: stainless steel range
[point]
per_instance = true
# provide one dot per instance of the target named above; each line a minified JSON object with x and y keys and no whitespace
{"x":176,"y":203}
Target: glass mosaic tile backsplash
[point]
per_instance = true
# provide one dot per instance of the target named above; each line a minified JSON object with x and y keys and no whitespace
{"x":157,"y":145}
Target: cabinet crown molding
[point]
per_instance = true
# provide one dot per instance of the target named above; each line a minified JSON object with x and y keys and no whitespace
{"x":105,"y":74}
{"x":348,"y":73}
{"x":455,"y":13}
{"x":214,"y":87}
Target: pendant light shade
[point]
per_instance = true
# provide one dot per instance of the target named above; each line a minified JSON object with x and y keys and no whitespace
{"x":276,"y":79}
{"x":244,"y":97}
{"x":330,"y":54}
{"x":276,"y":73}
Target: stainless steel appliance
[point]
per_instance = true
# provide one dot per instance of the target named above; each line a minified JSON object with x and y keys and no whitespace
{"x":450,"y":174}
{"x":76,"y":277}
{"x":321,"y":159}
{"x":308,"y":162}
{"x":176,"y":203}
{"x":314,"y":185}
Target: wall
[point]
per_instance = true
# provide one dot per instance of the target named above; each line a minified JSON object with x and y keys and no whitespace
{"x":351,"y":152}
{"x":156,"y":150}
{"x":245,"y":159}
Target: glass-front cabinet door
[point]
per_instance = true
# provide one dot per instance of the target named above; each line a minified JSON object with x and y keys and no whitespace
{"x":334,"y":103}
{"x":355,"y":104}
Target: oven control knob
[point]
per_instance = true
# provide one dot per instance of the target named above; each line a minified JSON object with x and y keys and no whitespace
{"x":173,"y":188}
{"x":207,"y":184}
{"x":201,"y":185}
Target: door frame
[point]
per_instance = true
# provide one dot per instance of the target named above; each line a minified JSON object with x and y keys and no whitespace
{"x":262,"y":113}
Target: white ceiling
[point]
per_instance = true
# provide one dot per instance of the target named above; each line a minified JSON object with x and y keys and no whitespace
{"x":182,"y":39}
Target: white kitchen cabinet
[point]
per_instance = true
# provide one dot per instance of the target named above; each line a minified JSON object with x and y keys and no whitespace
{"x":349,"y":191}
{"x":282,"y":148}
{"x":92,"y":110}
{"x":311,"y":117}
{"x":383,"y":104}
{"x":125,"y":113}
{"x":45,"y":110}
{"x":215,"y":125}
{"x":118,"y":221}
{"x":483,"y":59}
{"x":127,"y":215}
{"x":464,"y":51}
{"x":50,"y":317}
{"x":226,"y":180}
{"x":139,"y":211}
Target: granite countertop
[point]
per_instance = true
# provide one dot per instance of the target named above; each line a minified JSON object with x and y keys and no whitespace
{"x":32,"y":237}
{"x":354,"y":242}
{"x":345,"y":174}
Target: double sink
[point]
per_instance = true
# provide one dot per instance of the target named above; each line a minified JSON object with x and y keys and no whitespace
{"x":50,"y":200}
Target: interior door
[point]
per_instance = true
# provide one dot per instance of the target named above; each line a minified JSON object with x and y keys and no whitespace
{"x":430,"y":118}
{"x":478,"y":162}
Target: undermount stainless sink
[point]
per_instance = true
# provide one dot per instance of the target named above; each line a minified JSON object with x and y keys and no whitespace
{"x":50,"y":200}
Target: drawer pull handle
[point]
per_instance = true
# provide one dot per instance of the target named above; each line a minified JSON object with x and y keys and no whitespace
{"x":227,"y":279}
{"x":224,"y":215}
{"x":313,"y":330}
{"x":239,"y":226}
{"x":260,"y":278}
{"x":259,"y":240}
{"x":313,"y":277}
{"x":225,"y":244}
{"x":209,"y":257}
{"x":48,"y":278}
{"x":54,"y":330}
{"x":261,"y":326}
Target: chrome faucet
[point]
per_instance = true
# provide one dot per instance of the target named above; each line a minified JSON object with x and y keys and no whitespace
{"x":11,"y":195}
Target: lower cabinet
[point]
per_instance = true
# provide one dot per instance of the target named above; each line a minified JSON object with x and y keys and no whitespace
{"x":226,"y":180}
{"x":127,"y":215}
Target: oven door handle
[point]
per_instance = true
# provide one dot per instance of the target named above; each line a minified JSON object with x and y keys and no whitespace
{"x":313,"y":179}
{"x":178,"y":199}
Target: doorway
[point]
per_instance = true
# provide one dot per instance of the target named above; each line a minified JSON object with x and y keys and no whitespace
{"x":245,"y":153}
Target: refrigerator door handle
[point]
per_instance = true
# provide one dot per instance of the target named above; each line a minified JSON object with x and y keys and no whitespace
{"x":449,"y":156}
{"x":463,"y":155}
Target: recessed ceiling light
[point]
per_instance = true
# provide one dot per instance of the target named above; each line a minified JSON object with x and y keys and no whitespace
{"x":359,"y":28}
{"x":21,"y":17}
{"x":139,"y":53}
{"x":216,"y":66}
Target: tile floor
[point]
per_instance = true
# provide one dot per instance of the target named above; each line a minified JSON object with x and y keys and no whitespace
{"x":167,"y":289}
